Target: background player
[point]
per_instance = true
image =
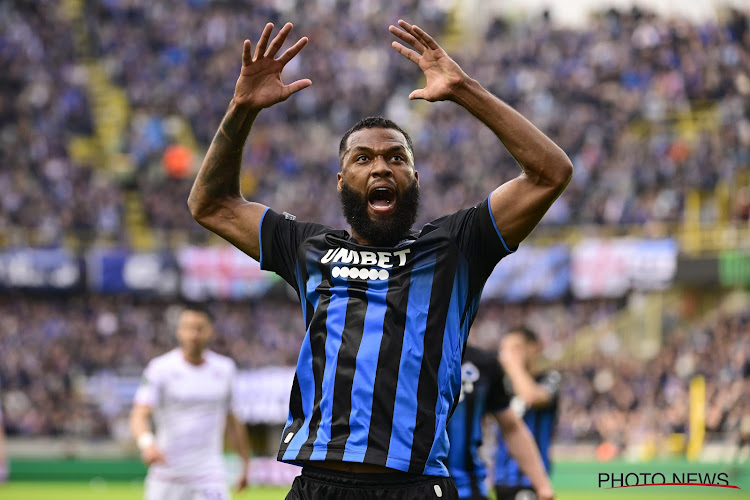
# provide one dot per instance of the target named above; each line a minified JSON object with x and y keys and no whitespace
{"x":387,"y":311}
{"x":534,"y":397}
{"x":188,"y":391}
{"x":482,"y":393}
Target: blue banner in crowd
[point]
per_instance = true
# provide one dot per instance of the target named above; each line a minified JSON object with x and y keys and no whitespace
{"x":592,"y":268}
{"x":118,"y":270}
{"x":534,"y":273}
{"x":42,"y":269}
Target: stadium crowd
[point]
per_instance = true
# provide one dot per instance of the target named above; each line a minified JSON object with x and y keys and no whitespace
{"x":606,"y":394}
{"x":646,"y":107}
{"x":51,"y":346}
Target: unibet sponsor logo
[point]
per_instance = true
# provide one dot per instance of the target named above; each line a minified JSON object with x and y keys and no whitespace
{"x":383,"y":261}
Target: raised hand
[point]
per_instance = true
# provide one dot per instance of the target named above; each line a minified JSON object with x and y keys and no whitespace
{"x":443,"y":74}
{"x":512,"y":352}
{"x":259,"y":84}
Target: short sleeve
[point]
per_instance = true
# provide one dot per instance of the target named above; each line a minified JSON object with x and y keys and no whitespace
{"x":497,"y":398}
{"x":149,"y":390}
{"x":280,"y":239}
{"x":476,"y":234}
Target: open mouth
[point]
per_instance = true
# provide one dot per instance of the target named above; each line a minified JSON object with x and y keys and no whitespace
{"x":382,"y":199}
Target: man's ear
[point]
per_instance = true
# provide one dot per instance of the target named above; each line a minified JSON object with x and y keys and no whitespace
{"x":416,"y":177}
{"x":339,"y":181}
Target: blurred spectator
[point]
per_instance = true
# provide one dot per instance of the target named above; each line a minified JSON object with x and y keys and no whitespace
{"x":655,"y":107}
{"x":605,"y":394}
{"x":51,"y":345}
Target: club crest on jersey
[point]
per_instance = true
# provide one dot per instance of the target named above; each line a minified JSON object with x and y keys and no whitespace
{"x":357,"y":262}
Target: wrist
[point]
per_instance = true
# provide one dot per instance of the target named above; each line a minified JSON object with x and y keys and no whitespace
{"x":237,"y":121}
{"x":464,"y":91}
{"x":244,"y":107}
{"x":145,"y":440}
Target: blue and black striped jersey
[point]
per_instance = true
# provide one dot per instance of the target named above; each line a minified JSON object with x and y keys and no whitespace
{"x":379,"y":371}
{"x":541,"y":423}
{"x":482,"y":392}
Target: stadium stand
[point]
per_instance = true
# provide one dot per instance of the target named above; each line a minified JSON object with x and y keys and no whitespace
{"x":653,"y":112}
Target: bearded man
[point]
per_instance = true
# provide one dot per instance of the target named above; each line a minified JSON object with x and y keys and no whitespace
{"x":387,"y":310}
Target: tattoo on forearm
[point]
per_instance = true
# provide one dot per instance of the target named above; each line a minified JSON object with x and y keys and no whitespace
{"x":219,"y":176}
{"x":223,"y":132}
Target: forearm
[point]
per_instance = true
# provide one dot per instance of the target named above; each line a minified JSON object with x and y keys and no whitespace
{"x":139,"y":424}
{"x":239,"y":439}
{"x":524,"y":385}
{"x":521,"y":445}
{"x":218,"y":179}
{"x":539,"y":157}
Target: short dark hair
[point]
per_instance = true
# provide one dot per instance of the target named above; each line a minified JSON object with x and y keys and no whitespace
{"x":373,"y":122}
{"x":527,"y":333}
{"x":198,"y":308}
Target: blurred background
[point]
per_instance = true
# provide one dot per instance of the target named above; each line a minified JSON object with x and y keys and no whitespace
{"x":636,"y":279}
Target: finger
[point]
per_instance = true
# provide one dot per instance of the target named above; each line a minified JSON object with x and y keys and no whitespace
{"x":260,"y":49}
{"x":278,"y":41}
{"x":410,"y":54}
{"x":247,"y":56}
{"x":425,"y":38}
{"x":416,"y":94}
{"x":404,"y":25}
{"x":409,"y":28}
{"x":295,"y":87}
{"x":293,"y":50}
{"x":407,"y":37}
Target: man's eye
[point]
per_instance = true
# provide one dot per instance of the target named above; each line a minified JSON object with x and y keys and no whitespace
{"x":398,"y":158}
{"x":361,"y":158}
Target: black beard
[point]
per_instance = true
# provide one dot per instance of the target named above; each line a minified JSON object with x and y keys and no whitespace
{"x":381,"y":233}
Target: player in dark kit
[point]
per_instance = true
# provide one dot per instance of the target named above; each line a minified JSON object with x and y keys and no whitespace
{"x":387,"y":311}
{"x":534,"y":398}
{"x":482,"y":393}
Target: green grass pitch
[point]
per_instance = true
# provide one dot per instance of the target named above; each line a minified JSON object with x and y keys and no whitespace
{"x":107,"y":491}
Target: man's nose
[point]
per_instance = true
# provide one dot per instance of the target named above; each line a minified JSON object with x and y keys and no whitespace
{"x":381,"y":167}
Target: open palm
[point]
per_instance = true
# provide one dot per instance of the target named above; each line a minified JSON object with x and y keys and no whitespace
{"x":259,"y":84}
{"x":443,"y":74}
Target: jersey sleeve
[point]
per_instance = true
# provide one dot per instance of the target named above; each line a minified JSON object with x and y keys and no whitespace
{"x":280,"y":238}
{"x":478,"y":238}
{"x":149,"y":390}
{"x":498,"y":398}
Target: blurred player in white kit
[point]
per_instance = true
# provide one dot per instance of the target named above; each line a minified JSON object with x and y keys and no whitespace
{"x":188,"y":391}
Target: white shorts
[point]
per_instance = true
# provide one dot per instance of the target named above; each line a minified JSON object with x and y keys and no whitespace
{"x":166,"y":490}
